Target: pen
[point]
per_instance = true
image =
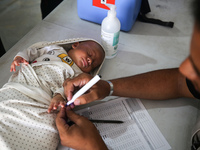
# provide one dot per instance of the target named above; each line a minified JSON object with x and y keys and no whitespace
{"x":86,"y":87}
{"x":105,"y":121}
{"x":99,"y":121}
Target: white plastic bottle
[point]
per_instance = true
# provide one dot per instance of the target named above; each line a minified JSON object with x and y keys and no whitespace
{"x":110,"y":29}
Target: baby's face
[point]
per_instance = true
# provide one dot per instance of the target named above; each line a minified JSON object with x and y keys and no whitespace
{"x":87,"y":55}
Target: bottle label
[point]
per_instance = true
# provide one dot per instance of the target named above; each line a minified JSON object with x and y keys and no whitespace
{"x":110,"y":42}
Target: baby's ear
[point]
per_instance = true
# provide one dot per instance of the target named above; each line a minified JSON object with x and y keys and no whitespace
{"x":75,"y":45}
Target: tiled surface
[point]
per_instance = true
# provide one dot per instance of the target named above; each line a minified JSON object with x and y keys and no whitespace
{"x":17,"y":18}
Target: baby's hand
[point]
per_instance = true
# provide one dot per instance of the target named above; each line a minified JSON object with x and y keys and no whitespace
{"x":16,"y":62}
{"x":56,"y":101}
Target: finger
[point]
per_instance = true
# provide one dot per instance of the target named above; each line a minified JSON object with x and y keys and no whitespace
{"x":61,"y":121}
{"x":50,"y":108}
{"x":68,"y":89}
{"x":73,"y":116}
{"x":62,"y":114}
{"x":16,"y":63}
{"x":62,"y":104}
{"x":92,"y":95}
{"x":68,"y":108}
{"x":25,"y":62}
{"x":55,"y":105}
{"x":80,"y":101}
{"x":72,"y":106}
{"x":84,"y":99}
{"x":79,"y":81}
{"x":65,"y":82}
{"x":12,"y":67}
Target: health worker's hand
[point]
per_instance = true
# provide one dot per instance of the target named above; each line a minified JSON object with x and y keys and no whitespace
{"x":98,"y":91}
{"x":16,"y":62}
{"x":82,"y":135}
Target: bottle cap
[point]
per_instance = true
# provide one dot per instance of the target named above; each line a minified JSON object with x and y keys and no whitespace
{"x":112,"y":11}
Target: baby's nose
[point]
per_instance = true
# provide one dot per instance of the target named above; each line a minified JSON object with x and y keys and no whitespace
{"x":89,"y":60}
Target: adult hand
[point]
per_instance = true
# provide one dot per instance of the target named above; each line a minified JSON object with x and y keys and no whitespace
{"x":99,"y":91}
{"x":82,"y":135}
{"x":16,"y":62}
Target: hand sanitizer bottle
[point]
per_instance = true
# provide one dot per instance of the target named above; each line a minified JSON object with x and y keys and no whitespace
{"x":110,"y":29}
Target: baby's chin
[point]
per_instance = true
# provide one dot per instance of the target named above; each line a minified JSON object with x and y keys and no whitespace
{"x":86,"y":70}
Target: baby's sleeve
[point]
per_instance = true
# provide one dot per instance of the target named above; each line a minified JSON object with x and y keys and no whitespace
{"x":32,"y":52}
{"x":60,"y":91}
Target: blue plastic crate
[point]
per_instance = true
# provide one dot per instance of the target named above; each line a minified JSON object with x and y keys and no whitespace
{"x":127,"y":12}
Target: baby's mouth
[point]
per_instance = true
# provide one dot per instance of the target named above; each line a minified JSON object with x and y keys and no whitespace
{"x":85,"y":63}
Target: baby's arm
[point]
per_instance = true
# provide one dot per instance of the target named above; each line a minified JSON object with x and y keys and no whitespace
{"x":16,"y":62}
{"x":28,"y":55}
{"x":56,"y":101}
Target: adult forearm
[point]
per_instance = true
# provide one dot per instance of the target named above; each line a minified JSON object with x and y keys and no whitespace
{"x":160,"y":84}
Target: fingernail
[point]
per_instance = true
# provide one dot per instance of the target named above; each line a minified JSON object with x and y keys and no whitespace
{"x":77,"y":102}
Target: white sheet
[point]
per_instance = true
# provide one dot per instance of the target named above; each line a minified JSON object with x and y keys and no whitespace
{"x":24,"y":121}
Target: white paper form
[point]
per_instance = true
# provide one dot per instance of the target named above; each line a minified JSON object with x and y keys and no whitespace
{"x":138,"y":132}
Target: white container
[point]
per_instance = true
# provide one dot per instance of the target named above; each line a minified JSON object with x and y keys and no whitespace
{"x":110,"y":29}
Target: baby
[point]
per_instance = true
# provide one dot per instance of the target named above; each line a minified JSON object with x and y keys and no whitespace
{"x":85,"y":55}
{"x":38,"y":86}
